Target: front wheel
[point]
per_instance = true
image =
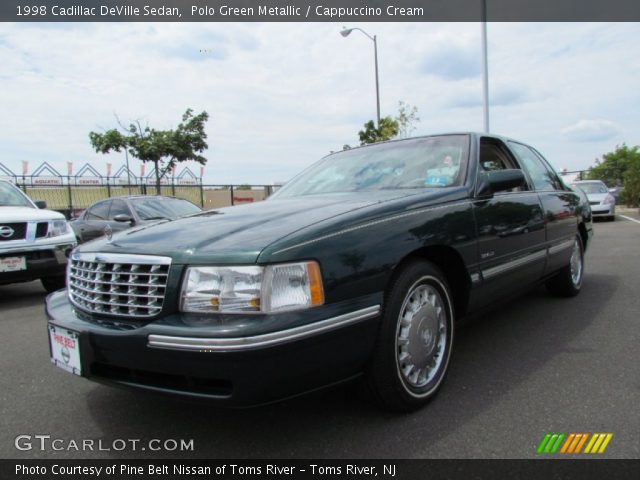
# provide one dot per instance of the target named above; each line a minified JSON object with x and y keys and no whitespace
{"x":568,"y":281}
{"x":415,"y":339}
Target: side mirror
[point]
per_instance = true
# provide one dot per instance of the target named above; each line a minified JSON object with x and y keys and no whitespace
{"x":41,"y":204}
{"x":612,"y":190}
{"x":499,"y":181}
{"x":123,"y":217}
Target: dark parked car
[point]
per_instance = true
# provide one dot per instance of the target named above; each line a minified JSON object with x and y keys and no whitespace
{"x":120,"y":213}
{"x":363,"y":264}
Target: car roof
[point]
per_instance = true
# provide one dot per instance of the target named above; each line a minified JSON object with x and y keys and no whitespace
{"x":473,"y":134}
{"x":131,"y":197}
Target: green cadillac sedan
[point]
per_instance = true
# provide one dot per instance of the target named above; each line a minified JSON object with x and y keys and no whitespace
{"x":363,"y":264}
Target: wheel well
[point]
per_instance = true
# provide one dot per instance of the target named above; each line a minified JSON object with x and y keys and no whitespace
{"x":583,"y":235}
{"x":448,"y":260}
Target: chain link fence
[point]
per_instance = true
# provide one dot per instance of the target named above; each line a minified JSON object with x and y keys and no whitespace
{"x":71,"y":199}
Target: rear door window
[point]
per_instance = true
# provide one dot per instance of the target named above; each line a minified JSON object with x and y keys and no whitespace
{"x":542,"y":178}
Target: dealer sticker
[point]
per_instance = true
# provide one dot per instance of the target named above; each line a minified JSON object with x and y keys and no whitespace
{"x":65,"y":349}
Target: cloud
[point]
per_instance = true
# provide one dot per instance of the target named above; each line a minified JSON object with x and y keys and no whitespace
{"x":451,"y":61}
{"x":591,"y":130}
{"x":282,"y":95}
{"x":503,"y":96}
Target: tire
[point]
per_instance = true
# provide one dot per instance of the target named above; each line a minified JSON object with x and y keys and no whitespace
{"x":568,"y":281}
{"x":415,"y":339}
{"x":52,"y":284}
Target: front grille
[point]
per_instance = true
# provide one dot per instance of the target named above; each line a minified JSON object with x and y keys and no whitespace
{"x":594,"y":203}
{"x":13,"y":231}
{"x":42,"y":229}
{"x":122,"y":285}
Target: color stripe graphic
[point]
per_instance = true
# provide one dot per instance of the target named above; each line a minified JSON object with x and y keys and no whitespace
{"x":573,"y":443}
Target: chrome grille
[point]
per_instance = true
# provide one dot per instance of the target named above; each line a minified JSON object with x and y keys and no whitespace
{"x":13,"y":231}
{"x":122,"y":285}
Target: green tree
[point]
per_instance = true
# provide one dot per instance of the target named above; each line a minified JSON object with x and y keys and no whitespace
{"x":620,"y":167}
{"x":612,"y":168}
{"x":407,"y":118}
{"x":631,"y":192}
{"x":164,"y":148}
{"x":386,"y":131}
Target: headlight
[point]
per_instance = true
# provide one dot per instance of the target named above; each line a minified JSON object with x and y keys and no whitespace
{"x":609,"y":199}
{"x":58,"y":227}
{"x":273,"y":288}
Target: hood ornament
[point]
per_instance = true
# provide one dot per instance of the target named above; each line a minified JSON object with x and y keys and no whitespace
{"x":108,"y":232}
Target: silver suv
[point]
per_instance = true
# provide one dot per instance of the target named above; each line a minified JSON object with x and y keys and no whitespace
{"x":34,"y":243}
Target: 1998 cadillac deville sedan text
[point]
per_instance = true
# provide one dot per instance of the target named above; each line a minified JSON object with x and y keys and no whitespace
{"x":362,"y":264}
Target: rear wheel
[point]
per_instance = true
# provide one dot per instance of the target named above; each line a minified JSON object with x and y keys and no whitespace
{"x":415,"y":339}
{"x":568,"y":281}
{"x":51,"y":284}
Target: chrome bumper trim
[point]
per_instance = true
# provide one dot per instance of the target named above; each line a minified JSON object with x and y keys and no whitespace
{"x":261,"y":341}
{"x":120,"y":258}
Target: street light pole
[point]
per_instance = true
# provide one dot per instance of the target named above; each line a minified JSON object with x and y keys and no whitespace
{"x":345,"y":32}
{"x":375,"y":54}
{"x":485,"y":69}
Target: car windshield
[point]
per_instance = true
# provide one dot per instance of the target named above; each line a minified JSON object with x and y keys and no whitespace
{"x":592,"y":187}
{"x":157,"y":208}
{"x":430,"y":162}
{"x":10,"y":196}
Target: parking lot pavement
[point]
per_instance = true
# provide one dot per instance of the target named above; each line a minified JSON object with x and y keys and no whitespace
{"x":632,"y":214}
{"x":537,"y":364}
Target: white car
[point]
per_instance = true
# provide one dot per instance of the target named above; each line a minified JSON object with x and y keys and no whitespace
{"x":34,"y":243}
{"x":603,"y":204}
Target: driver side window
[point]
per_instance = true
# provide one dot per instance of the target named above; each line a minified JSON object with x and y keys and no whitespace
{"x":495,"y":156}
{"x":119,"y":207}
{"x":100,"y":211}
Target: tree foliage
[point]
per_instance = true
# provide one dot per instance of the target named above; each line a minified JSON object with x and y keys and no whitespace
{"x":613,"y":166}
{"x":390,"y":127}
{"x":164,"y":148}
{"x":631,"y":192}
{"x":407,"y":118}
{"x":620,"y":167}
{"x":387,"y":130}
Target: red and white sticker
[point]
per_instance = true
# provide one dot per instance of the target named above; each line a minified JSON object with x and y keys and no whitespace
{"x":65,"y":349}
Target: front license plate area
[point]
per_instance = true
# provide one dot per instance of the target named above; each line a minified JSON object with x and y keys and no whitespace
{"x":13,"y":264}
{"x":65,"y":349}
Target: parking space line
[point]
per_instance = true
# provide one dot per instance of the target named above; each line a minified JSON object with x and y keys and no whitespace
{"x":629,"y":218}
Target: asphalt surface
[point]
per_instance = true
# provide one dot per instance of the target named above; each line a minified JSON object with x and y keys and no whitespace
{"x":536,"y":364}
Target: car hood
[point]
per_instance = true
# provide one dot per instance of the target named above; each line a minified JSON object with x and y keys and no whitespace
{"x":596,"y":197}
{"x":27,"y":214}
{"x":237,"y":234}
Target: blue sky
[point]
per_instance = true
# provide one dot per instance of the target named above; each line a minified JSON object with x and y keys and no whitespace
{"x":282,"y":95}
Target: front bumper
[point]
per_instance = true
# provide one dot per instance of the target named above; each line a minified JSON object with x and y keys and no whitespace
{"x":603,"y":210}
{"x":41,"y":261}
{"x":198,"y":357}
